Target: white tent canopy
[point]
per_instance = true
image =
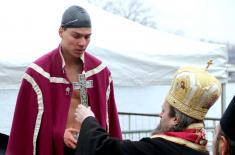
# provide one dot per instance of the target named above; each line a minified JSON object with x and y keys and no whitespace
{"x":135,"y":54}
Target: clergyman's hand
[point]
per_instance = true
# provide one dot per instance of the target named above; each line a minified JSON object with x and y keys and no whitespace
{"x":82,"y":113}
{"x":69,"y":137}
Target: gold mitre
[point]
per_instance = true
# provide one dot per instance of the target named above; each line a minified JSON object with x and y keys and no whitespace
{"x":193,"y":91}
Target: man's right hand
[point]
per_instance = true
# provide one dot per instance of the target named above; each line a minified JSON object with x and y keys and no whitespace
{"x":69,"y":137}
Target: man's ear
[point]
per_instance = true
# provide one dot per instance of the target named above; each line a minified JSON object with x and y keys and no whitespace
{"x":223,"y":146}
{"x":61,"y":30}
{"x":176,"y":120}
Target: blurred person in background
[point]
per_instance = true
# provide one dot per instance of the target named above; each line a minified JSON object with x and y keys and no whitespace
{"x":224,"y":140}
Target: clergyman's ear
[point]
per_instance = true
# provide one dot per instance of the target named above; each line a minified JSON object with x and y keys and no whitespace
{"x":176,"y":120}
{"x":223,"y":146}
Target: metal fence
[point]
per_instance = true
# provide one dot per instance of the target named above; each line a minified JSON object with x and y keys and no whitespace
{"x":138,"y":125}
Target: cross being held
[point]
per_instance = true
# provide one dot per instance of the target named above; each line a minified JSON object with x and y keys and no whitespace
{"x":82,"y":85}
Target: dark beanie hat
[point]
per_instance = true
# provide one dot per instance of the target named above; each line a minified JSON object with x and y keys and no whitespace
{"x":75,"y":17}
{"x":227,"y":121}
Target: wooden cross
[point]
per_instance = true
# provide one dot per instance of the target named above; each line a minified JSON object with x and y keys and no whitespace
{"x":82,"y":85}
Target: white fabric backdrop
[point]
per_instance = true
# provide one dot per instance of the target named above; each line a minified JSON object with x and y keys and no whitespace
{"x":136,"y":55}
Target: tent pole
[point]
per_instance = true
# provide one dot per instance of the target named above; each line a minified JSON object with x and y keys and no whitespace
{"x":223,"y":98}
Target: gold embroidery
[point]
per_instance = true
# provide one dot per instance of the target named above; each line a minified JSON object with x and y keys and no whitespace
{"x":182,"y":142}
{"x":202,"y":142}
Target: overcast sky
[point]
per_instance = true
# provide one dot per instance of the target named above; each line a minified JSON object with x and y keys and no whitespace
{"x":208,"y":19}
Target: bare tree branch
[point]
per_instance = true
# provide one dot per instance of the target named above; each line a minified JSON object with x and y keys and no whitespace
{"x":130,"y":9}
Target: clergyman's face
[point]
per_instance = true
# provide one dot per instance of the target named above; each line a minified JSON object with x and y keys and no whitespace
{"x":166,"y":122}
{"x":74,"y":41}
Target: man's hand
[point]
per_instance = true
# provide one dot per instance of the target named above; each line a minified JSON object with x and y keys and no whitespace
{"x":82,"y":113}
{"x":69,"y":137}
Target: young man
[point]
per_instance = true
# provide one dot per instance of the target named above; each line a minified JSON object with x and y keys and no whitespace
{"x":224,"y":140}
{"x":193,"y":92}
{"x":44,"y":121}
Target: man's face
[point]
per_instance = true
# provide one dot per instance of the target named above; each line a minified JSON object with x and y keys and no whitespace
{"x":166,"y":122}
{"x":74,"y":41}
